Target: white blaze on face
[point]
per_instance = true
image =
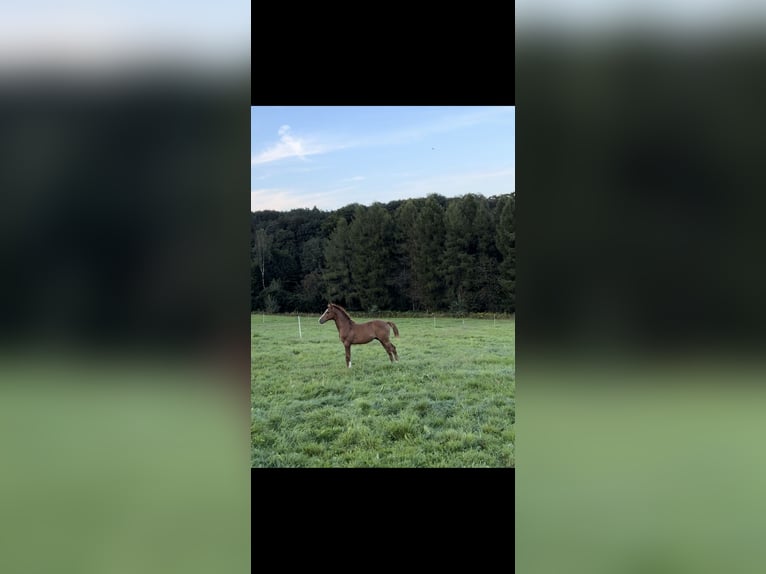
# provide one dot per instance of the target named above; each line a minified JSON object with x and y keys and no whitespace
{"x":323,"y":314}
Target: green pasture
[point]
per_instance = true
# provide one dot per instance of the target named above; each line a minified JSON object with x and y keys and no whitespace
{"x":448,"y":402}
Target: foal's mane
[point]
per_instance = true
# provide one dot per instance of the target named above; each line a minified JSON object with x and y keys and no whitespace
{"x":342,"y":310}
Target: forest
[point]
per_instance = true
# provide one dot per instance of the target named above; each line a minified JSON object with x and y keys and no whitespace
{"x":433,"y":254}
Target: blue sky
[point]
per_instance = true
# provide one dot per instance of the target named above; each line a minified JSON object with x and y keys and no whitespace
{"x":329,"y":157}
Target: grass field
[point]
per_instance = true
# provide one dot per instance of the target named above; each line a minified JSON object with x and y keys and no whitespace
{"x":449,"y":402}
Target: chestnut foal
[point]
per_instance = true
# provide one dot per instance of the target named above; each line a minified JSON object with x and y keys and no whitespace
{"x":351,"y":333}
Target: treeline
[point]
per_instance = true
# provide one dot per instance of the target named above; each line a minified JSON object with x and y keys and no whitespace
{"x":430,"y":254}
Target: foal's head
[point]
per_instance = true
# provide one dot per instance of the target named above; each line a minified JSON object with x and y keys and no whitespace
{"x":328,"y":315}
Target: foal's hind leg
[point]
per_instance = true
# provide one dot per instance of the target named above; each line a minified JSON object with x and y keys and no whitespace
{"x":387,"y":347}
{"x":391,"y":351}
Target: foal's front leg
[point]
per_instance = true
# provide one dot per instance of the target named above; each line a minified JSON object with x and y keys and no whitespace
{"x":348,"y":356}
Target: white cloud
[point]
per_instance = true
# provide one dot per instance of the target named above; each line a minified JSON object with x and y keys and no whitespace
{"x":290,"y":146}
{"x":285,"y":199}
{"x":487,"y":183}
{"x":442,"y":124}
{"x":280,"y":199}
{"x":274,"y":198}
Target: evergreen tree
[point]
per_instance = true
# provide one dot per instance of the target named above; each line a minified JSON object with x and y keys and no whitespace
{"x":312,"y":255}
{"x":407,"y":241}
{"x":459,"y":251}
{"x":373,"y":261}
{"x":337,"y":273}
{"x":434,"y":253}
{"x":506,"y":245}
{"x":483,"y":280}
{"x":429,"y":236}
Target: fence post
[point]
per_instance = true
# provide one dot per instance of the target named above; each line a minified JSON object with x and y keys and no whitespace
{"x":299,"y":327}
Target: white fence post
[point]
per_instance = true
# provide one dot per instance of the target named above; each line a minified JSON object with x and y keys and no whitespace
{"x":299,"y":327}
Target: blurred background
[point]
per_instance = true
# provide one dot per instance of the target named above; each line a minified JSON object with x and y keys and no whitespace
{"x":641,"y":286}
{"x":124,"y":146}
{"x":124,"y":140}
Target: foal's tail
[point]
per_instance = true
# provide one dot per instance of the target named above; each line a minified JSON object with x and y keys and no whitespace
{"x":396,"y":331}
